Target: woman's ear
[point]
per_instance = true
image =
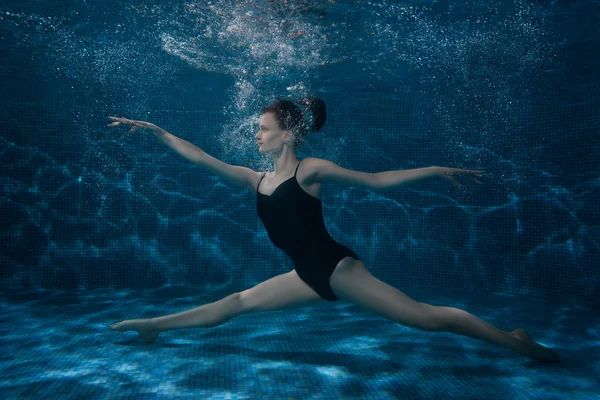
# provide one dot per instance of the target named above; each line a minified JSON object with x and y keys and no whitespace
{"x":289,"y":137}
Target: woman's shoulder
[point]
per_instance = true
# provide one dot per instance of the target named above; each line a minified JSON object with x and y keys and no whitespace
{"x":312,"y":161}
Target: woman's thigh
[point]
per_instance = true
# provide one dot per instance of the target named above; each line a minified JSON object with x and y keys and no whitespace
{"x":278,"y":293}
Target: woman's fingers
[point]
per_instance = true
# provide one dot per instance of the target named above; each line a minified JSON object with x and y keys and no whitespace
{"x":472,"y":171}
{"x":455,"y":182}
{"x":119,"y":121}
{"x":472,"y":174}
{"x":122,"y":120}
{"x":133,"y":128}
{"x":114,"y":123}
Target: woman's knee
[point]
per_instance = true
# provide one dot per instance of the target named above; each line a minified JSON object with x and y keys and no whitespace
{"x":227,"y":308}
{"x":434,"y":318}
{"x":236,"y":301}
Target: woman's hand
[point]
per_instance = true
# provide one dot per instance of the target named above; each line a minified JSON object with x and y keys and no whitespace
{"x":134,"y":124}
{"x":451,"y":173}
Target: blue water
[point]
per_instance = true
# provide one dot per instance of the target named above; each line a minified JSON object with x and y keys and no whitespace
{"x":98,"y":228}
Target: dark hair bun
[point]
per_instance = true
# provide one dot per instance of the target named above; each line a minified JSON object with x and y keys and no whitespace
{"x":317,"y":107}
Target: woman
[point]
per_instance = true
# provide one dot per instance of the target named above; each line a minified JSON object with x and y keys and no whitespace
{"x":289,"y":205}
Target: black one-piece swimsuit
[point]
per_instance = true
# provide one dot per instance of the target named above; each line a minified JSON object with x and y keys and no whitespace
{"x":294,"y":221}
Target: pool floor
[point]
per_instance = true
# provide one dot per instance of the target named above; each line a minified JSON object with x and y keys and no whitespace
{"x":57,"y":344}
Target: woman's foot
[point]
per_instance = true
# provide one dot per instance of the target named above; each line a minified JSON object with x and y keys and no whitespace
{"x":535,"y":351}
{"x":141,"y":326}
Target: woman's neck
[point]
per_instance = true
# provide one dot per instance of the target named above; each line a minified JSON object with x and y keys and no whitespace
{"x":285,"y":164}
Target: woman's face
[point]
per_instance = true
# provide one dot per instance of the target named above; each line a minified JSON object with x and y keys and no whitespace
{"x":269,"y":136}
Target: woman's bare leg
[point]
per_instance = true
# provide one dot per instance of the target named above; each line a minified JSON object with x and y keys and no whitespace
{"x":205,"y":316}
{"x":455,"y":320}
{"x":351,"y":281}
{"x":281,"y":292}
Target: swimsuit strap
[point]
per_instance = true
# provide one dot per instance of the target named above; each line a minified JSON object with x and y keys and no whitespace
{"x":266,"y":174}
{"x":297,"y":168}
{"x":260,"y":181}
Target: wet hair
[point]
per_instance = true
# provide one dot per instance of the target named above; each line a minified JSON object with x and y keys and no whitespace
{"x":290,"y":117}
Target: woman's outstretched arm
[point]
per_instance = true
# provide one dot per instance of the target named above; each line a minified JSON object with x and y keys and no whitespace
{"x":184,"y":148}
{"x":325,"y":171}
{"x":241,"y":176}
{"x":187,"y":150}
{"x":392,"y":179}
